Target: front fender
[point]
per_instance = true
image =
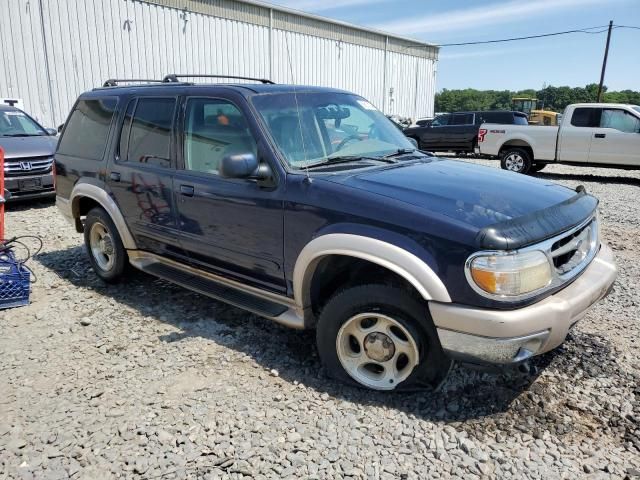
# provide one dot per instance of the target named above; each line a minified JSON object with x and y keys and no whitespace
{"x":393,"y":257}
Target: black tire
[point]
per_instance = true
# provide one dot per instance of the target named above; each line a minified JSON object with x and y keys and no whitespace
{"x":411,"y":313}
{"x":536,"y":167}
{"x":516,"y":160}
{"x":111,"y":271}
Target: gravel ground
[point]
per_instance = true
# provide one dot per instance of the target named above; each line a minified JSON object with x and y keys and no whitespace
{"x":147,"y":380}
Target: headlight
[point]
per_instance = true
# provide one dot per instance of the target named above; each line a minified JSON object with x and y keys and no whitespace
{"x":509,"y":275}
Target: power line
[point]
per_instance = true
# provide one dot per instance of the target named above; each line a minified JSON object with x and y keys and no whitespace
{"x":603,"y":28}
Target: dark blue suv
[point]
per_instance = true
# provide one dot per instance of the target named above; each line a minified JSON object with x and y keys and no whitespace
{"x":307,"y":206}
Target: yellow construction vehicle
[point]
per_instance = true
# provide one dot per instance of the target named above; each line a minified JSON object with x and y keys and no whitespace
{"x":529,"y":106}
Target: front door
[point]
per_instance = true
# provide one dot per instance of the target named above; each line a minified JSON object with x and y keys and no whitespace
{"x":617,"y":140}
{"x":141,"y":174}
{"x":233,"y":227}
{"x":432,"y":137}
{"x":574,"y":141}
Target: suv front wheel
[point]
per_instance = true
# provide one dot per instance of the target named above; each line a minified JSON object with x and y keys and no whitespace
{"x":107,"y":254}
{"x":382,"y":338}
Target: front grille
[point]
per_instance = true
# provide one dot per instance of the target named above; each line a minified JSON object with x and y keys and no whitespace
{"x":573,"y":252}
{"x":27,"y":166}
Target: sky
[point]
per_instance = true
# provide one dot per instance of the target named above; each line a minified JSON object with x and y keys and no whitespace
{"x":573,"y":60}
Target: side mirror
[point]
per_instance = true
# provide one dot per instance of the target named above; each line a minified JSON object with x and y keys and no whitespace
{"x":239,"y":165}
{"x":413,"y":141}
{"x":52,"y":131}
{"x":60,"y":127}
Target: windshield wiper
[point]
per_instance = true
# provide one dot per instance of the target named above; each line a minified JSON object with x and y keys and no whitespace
{"x":400,"y":152}
{"x":347,"y":159}
{"x":22,"y":135}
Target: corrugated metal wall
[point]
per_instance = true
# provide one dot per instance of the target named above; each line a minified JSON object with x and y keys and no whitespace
{"x":52,"y":50}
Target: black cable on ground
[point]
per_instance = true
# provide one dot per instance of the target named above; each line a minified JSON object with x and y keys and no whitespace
{"x":6,"y":244}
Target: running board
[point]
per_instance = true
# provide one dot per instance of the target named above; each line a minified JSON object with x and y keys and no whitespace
{"x":269,"y":305}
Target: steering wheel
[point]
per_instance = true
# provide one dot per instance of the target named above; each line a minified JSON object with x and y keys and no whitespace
{"x":344,"y":142}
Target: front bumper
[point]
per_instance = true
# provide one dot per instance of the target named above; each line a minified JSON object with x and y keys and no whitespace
{"x":510,"y":336}
{"x":16,"y":186}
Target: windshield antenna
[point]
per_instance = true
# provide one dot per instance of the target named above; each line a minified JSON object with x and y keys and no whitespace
{"x":295,"y":96}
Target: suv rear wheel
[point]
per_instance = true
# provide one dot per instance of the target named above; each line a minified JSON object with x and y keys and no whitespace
{"x":107,"y":254}
{"x":516,"y":160}
{"x":382,"y":338}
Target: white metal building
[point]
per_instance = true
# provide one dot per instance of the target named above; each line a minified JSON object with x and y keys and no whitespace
{"x":52,"y":50}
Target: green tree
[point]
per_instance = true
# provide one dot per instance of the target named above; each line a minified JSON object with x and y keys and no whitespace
{"x":552,"y":98}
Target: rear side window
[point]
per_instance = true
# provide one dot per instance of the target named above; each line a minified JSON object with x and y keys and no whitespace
{"x":463,"y":119}
{"x":88,"y":128}
{"x":149,"y":132}
{"x":586,"y":117}
{"x":520,"y":120}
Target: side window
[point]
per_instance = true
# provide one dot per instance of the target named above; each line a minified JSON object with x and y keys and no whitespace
{"x":586,"y":117}
{"x":463,"y":119}
{"x":620,"y":120}
{"x":441,"y":121}
{"x":520,"y":120}
{"x":126,"y":130}
{"x":149,"y":133}
{"x":214,"y":128}
{"x":88,"y":128}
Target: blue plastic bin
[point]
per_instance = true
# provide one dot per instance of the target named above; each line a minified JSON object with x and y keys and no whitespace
{"x":15,"y":281}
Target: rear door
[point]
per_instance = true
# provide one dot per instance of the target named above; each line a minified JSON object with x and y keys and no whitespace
{"x":232,"y":227}
{"x":141,"y":174}
{"x":617,"y":139}
{"x":574,"y":142}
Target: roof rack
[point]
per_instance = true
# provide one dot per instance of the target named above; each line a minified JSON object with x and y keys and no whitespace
{"x":113,"y":82}
{"x":173,"y":77}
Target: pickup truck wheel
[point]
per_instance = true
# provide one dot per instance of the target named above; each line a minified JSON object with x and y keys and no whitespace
{"x":107,"y":254}
{"x":516,"y":160}
{"x":382,"y":338}
{"x":536,"y":167}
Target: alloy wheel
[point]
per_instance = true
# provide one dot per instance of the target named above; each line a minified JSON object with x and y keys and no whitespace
{"x":376,"y":350}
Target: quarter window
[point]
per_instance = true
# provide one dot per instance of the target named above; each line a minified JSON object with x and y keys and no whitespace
{"x":214,"y":128}
{"x":88,"y":129}
{"x":149,"y":133}
{"x":620,"y":120}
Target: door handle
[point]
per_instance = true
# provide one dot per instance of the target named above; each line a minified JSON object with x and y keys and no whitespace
{"x":115,"y":176}
{"x":187,"y":190}
{"x":600,"y":135}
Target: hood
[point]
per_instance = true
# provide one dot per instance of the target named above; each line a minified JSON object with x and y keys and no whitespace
{"x":478,"y":196}
{"x":28,"y":147}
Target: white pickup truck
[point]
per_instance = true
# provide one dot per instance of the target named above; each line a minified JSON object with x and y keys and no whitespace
{"x":594,"y":134}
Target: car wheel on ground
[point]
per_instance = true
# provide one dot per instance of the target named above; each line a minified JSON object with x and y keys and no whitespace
{"x":516,"y":160}
{"x":107,"y":254}
{"x":536,"y":167}
{"x":380,"y":337}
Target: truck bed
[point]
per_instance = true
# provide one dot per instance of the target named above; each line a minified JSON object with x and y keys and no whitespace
{"x":541,"y":139}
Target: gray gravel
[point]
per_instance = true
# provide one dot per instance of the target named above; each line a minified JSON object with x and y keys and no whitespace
{"x":147,"y":380}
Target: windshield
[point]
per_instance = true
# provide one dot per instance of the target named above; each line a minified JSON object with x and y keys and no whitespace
{"x":313,"y":127}
{"x":14,"y":123}
{"x":637,"y":109}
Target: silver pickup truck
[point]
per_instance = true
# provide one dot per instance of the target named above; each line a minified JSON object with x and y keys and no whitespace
{"x":594,"y":134}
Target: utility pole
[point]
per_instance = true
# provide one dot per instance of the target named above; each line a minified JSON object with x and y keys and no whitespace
{"x":604,"y":61}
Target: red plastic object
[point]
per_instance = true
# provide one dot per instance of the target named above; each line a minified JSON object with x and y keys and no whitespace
{"x":2,"y":199}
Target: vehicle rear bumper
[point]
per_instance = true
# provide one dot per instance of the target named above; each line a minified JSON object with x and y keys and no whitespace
{"x":511,"y":336}
{"x":64,"y":207}
{"x":18,"y":189}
